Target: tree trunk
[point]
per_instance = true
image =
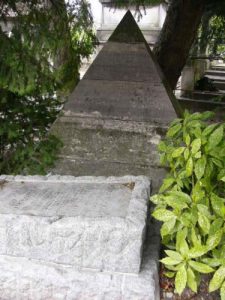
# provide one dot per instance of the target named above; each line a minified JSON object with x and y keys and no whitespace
{"x":177,"y":35}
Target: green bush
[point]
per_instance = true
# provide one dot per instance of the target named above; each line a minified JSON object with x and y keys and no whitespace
{"x":191,"y":202}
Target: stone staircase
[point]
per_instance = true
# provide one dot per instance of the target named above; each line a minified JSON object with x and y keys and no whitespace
{"x":65,"y":237}
{"x":217,"y":75}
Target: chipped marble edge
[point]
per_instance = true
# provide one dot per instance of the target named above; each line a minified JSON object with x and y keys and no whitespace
{"x":138,"y":206}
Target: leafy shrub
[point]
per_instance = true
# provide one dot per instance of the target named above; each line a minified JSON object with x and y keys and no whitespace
{"x":191,"y":202}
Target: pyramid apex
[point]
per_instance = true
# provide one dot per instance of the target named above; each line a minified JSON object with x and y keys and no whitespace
{"x":127,"y":31}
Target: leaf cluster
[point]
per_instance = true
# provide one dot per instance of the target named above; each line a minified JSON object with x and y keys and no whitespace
{"x":191,"y":201}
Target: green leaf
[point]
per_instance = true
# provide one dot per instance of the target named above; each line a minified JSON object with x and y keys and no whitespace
{"x":222,"y":291}
{"x":197,"y":251}
{"x":169,"y":274}
{"x":195,"y":146}
{"x":162,"y":146}
{"x":186,"y":154}
{"x":187,"y":140}
{"x":177,"y":152}
{"x":204,"y":223}
{"x":175,"y":203}
{"x":198,"y":154}
{"x":199,"y":168}
{"x":167,"y":182}
{"x":197,"y":192}
{"x":223,"y":179}
{"x":181,"y":280}
{"x":216,"y":225}
{"x":174,"y":254}
{"x":215,"y":138}
{"x":194,"y":238}
{"x":168,"y":227}
{"x":191,"y":280}
{"x":200,"y":267}
{"x":180,"y":238}
{"x":217,"y":279}
{"x":181,"y":196}
{"x":209,"y":129}
{"x":170,"y":261}
{"x":212,"y":262}
{"x":183,"y":247}
{"x":217,"y":205}
{"x":156,"y":199}
{"x":163,"y":215}
{"x":189,"y":167}
{"x":214,"y":240}
{"x":173,"y":130}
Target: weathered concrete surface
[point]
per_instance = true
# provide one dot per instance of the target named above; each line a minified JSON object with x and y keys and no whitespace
{"x":88,"y":222}
{"x":25,"y":279}
{"x":98,"y":147}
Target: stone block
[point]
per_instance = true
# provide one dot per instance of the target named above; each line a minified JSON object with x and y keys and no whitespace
{"x":28,"y":279}
{"x":88,"y":222}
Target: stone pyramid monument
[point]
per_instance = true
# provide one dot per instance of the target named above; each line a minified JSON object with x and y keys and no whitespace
{"x":124,"y":81}
{"x":114,"y":118}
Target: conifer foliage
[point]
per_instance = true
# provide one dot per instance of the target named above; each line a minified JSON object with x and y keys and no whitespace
{"x":41,"y":46}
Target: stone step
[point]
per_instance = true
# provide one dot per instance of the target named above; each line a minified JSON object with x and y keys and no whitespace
{"x":219,"y":84}
{"x":216,"y":77}
{"x":215,"y":73}
{"x":93,"y":223}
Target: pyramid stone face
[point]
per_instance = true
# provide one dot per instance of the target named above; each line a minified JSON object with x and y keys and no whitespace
{"x":124,"y":82}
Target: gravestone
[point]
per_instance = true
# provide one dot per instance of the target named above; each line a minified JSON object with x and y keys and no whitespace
{"x":115,"y":117}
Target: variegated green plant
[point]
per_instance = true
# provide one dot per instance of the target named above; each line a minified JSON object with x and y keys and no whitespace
{"x":191,"y":201}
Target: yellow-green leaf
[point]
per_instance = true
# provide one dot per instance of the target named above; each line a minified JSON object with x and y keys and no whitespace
{"x":191,"y":280}
{"x":200,"y":267}
{"x":195,"y":146}
{"x":217,"y":279}
{"x":181,"y":280}
{"x":174,"y":254}
{"x":222,"y":291}
{"x":173,"y":130}
{"x":218,"y":205}
{"x":189,"y":167}
{"x":167,"y":182}
{"x":197,"y":251}
{"x":204,"y":223}
{"x":216,"y":137}
{"x":167,"y":227}
{"x":177,"y":152}
{"x":214,"y":240}
{"x":200,"y":167}
{"x":163,"y":215}
{"x":170,"y":261}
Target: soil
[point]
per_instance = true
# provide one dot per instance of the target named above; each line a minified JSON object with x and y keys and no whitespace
{"x":167,"y":289}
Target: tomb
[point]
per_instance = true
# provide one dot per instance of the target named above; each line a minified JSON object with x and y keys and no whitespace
{"x":66,"y":237}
